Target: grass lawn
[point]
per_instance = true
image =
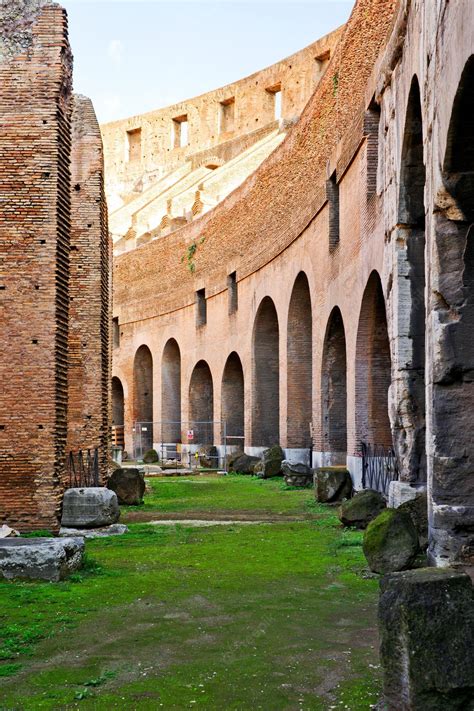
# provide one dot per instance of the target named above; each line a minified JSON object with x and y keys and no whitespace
{"x":272,"y":616}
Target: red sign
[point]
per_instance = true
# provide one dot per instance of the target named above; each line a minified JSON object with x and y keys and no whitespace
{"x":190,"y":435}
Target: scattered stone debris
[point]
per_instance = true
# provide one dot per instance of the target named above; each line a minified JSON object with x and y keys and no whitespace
{"x":296,"y":473}
{"x":89,"y":507}
{"x":243,"y":463}
{"x":332,"y":484}
{"x":390,"y":542}
{"x":129,"y":486}
{"x":40,"y":558}
{"x":362,"y":508}
{"x":115,"y":529}
{"x":7,"y":532}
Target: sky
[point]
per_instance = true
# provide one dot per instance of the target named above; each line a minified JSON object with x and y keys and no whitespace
{"x":135,"y":56}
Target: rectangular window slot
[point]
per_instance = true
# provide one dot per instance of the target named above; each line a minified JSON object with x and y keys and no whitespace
{"x":179,"y":135}
{"x":232,"y":289}
{"x":276,"y":97}
{"x":227,"y":114}
{"x":332,"y":194}
{"x":371,"y":133}
{"x":115,"y":332}
{"x":201,"y":307}
{"x":134,"y":145}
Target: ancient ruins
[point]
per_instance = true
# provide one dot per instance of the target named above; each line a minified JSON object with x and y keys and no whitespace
{"x":55,"y":270}
{"x":323,"y":302}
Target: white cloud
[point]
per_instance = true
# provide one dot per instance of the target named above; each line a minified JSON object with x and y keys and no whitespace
{"x":115,"y":51}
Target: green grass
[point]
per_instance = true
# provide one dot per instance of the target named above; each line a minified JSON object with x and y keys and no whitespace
{"x":268,"y":616}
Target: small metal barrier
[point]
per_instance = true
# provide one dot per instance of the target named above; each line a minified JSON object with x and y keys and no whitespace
{"x":82,"y":468}
{"x":379,"y":467}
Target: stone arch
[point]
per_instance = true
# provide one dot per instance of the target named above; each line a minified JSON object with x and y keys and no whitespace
{"x":201,"y":403}
{"x":232,"y":408}
{"x":299,"y":365}
{"x":452,"y":357}
{"x":118,"y":403}
{"x":171,"y":393}
{"x":143,"y":395}
{"x":334,"y":386}
{"x":373,"y":368}
{"x":266,"y":376}
{"x":410,"y":426}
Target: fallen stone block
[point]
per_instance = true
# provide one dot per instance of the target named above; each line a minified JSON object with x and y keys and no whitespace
{"x":270,"y":463}
{"x":399,"y":492}
{"x":40,"y":558}
{"x":243,"y":463}
{"x":417,"y":509}
{"x":89,"y":507}
{"x":390,"y":542}
{"x":426,"y":623}
{"x":7,"y":532}
{"x":115,"y":529}
{"x":362,"y":508}
{"x":129,"y":486}
{"x":296,"y":473}
{"x":332,"y":484}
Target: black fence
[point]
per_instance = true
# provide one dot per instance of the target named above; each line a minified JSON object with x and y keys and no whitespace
{"x":379,"y":467}
{"x":82,"y":468}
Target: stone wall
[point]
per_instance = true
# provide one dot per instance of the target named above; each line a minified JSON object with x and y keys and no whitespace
{"x":368,"y":200}
{"x":36,"y":281}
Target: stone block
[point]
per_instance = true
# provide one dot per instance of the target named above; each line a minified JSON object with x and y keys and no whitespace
{"x":115,"y":529}
{"x":89,"y":507}
{"x":362,"y":508}
{"x":243,"y":463}
{"x":129,"y":486}
{"x":332,"y":484}
{"x":271,"y":462}
{"x":40,"y":558}
{"x":390,"y":542}
{"x":399,"y":492}
{"x":426,"y":620}
{"x":296,"y":473}
{"x":417,"y":509}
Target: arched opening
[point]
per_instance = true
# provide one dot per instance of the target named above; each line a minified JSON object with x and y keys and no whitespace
{"x":143,"y":398}
{"x":410,"y":423}
{"x":117,"y":403}
{"x":300,"y":365}
{"x":171,"y":393}
{"x":373,"y":368}
{"x":233,"y":400}
{"x":266,"y":376}
{"x":452,"y":357}
{"x":334,"y":386}
{"x":201,"y":404}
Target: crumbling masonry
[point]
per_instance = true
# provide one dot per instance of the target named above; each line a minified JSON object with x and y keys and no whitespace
{"x":54,"y":269}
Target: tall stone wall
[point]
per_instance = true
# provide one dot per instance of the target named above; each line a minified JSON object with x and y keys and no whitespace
{"x":89,"y":312}
{"x":39,"y":223}
{"x":369,"y":200}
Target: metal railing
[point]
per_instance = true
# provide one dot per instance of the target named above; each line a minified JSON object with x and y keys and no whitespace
{"x":379,"y":467}
{"x":82,"y":469}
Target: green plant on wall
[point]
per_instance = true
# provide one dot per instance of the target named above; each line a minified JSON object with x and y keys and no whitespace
{"x":335,"y":83}
{"x":188,"y":257}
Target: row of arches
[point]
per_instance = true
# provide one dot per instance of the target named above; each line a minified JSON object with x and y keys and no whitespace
{"x":373,"y":377}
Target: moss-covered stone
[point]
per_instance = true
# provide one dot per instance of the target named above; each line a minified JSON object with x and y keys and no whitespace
{"x":417,"y":509}
{"x":243,"y":463}
{"x":390,"y":542}
{"x":272,"y":459}
{"x":426,"y":622}
{"x":362,"y":508}
{"x":332,"y":484}
{"x":151,"y":456}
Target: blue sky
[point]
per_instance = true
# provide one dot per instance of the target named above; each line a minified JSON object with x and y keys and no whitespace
{"x":132,"y":57}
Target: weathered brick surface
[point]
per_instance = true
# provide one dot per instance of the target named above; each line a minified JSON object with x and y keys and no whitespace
{"x":35,"y":280}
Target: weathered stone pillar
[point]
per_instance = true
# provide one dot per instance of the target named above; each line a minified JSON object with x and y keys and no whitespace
{"x":426,"y":620}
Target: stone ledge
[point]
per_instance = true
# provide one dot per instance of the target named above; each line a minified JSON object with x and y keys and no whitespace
{"x":40,"y":558}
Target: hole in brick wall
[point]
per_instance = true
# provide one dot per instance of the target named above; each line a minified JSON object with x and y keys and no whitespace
{"x":266,"y":377}
{"x":300,"y":365}
{"x":201,"y":403}
{"x":118,"y":406}
{"x":171,"y":392}
{"x":36,"y":287}
{"x":46,"y":175}
{"x":89,"y":225}
{"x":42,"y":241}
{"x":35,"y":341}
{"x":44,"y":121}
{"x":2,"y":287}
{"x":143,"y":393}
{"x":77,"y":187}
{"x":334,"y":386}
{"x":89,"y":417}
{"x":232,"y":293}
{"x":115,"y":332}
{"x":2,"y":427}
{"x":74,"y":248}
{"x":332,"y":194}
{"x":179,"y":133}
{"x":233,"y":400}
{"x":40,"y":427}
{"x":201,"y":307}
{"x":226,"y":115}
{"x":134,"y":145}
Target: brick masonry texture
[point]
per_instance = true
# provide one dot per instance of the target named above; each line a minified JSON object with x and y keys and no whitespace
{"x":36,"y":282}
{"x":390,"y":301}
